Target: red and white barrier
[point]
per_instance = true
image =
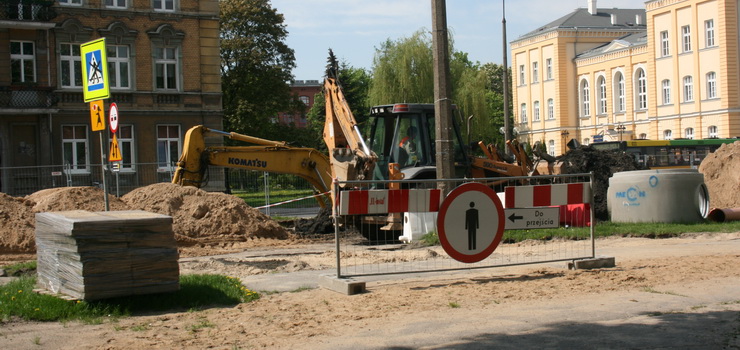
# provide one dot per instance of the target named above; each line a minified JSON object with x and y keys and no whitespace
{"x":388,"y":201}
{"x":547,"y":195}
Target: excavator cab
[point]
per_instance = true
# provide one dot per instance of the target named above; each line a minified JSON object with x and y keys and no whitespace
{"x":404,"y":133}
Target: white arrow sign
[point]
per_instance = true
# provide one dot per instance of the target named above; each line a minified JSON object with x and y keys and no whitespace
{"x":532,"y":218}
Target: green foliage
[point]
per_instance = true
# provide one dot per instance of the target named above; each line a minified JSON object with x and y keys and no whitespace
{"x":17,"y":299}
{"x":355,"y":84}
{"x":256,"y":66}
{"x":403,"y":71}
{"x":20,"y":268}
{"x":431,"y":238}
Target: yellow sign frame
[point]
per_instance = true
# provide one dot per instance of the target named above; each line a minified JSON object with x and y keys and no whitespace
{"x":94,"y":70}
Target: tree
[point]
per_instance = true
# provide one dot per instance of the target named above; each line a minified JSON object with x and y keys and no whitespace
{"x":256,"y":66}
{"x":403,"y":71}
{"x":355,"y":84}
{"x":495,"y":97}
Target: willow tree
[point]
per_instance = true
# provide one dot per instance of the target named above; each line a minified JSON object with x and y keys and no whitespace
{"x":256,"y":66}
{"x":403,"y":71}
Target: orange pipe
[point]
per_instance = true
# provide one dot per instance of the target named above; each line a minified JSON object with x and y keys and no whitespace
{"x":722,"y":215}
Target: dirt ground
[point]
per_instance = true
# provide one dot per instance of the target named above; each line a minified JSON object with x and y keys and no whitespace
{"x":665,"y":293}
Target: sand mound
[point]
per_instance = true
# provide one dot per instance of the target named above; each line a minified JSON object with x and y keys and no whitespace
{"x":721,"y":171}
{"x":17,"y":221}
{"x":74,"y":198}
{"x":202,"y":217}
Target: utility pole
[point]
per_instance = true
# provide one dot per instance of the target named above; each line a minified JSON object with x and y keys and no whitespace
{"x":442,"y":92}
{"x":507,"y":135}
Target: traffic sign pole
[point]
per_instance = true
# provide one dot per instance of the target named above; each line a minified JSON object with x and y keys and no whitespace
{"x":102,"y":170}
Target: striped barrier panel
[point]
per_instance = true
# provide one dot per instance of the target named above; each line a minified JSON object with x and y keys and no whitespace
{"x":547,"y":195}
{"x":388,"y":201}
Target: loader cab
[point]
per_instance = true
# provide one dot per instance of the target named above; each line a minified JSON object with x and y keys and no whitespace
{"x":404,"y":133}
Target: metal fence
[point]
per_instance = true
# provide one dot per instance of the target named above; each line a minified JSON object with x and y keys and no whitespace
{"x":365,"y":247}
{"x":276,"y":194}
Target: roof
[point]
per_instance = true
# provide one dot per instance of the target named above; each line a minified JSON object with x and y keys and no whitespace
{"x":580,"y":18}
{"x":627,"y":41}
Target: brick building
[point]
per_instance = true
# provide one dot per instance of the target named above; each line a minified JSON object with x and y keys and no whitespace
{"x":304,"y":91}
{"x":164,"y":74}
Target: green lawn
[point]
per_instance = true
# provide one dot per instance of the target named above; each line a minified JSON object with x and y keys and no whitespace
{"x":257,"y":199}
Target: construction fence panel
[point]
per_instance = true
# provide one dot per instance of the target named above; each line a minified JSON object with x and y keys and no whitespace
{"x":390,"y":227}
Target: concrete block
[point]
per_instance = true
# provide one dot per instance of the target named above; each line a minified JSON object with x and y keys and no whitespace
{"x":595,"y":263}
{"x":348,"y":286}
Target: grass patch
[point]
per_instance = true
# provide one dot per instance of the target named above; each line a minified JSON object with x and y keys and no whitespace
{"x":17,"y":299}
{"x":257,"y":199}
{"x":24,"y":268}
{"x":454,"y":305}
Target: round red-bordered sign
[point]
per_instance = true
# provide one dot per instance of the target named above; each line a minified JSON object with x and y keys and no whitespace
{"x":113,"y":117}
{"x":471,"y":222}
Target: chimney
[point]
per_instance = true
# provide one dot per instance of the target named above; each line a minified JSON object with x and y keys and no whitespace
{"x":614,"y":19}
{"x":592,"y":7}
{"x":638,"y":20}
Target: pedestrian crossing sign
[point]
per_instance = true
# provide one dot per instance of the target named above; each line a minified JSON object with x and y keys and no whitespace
{"x":94,"y":70}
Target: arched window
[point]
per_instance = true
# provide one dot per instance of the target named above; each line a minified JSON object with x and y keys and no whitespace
{"x":689,"y":133}
{"x":551,"y":147}
{"x":536,"y":111}
{"x":711,"y":85}
{"x":712,"y":131}
{"x":619,"y":93}
{"x":523,"y":114}
{"x":643,"y":136}
{"x":688,"y":88}
{"x":641,"y":89}
{"x":667,"y":134}
{"x":602,"y":95}
{"x":666,"y":92}
{"x":585,"y":99}
{"x":550,"y":109}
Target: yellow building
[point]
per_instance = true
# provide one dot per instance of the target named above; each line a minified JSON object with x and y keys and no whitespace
{"x":664,"y":72}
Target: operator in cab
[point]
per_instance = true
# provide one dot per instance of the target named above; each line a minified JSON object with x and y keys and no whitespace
{"x":408,"y":144}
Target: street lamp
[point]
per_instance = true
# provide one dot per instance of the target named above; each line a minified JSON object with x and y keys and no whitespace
{"x":620,"y":129}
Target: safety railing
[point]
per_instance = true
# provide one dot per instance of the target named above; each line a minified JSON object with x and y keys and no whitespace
{"x":399,"y":222}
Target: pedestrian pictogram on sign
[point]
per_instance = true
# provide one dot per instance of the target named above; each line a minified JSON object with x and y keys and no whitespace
{"x":95,"y":70}
{"x":97,"y":115}
{"x":470,"y":223}
{"x":115,"y":151}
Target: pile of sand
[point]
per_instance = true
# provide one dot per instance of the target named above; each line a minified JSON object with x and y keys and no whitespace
{"x":721,"y":171}
{"x":199,"y":217}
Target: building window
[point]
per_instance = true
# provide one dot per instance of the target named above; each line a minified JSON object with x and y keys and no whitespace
{"x":550,"y":109}
{"x":665,"y":48}
{"x":119,"y":4}
{"x":168,"y":146}
{"x":641,"y":89}
{"x":602,"y":95}
{"x":689,"y":133}
{"x":711,"y":85}
{"x":619,"y":100}
{"x":118,"y":66}
{"x":22,"y":62}
{"x":304,"y":99}
{"x":126,"y":145}
{"x":709,"y":33}
{"x":551,"y":147}
{"x":535,"y":72}
{"x":166,"y":68}
{"x":667,"y":134}
{"x":521,"y":74}
{"x":666,"y":92}
{"x":688,"y":88}
{"x":643,"y":136}
{"x":70,"y":2}
{"x":536,"y":111}
{"x":524,"y":113}
{"x":712,"y":131}
{"x":71,"y":65}
{"x":586,"y":141}
{"x":585,"y":99}
{"x":164,"y":5}
{"x":548,"y":68}
{"x":74,"y":146}
{"x":686,"y":38}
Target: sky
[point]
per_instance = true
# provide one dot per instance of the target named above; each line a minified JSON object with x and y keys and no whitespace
{"x":353,"y":29}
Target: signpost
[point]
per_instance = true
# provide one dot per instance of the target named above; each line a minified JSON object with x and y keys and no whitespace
{"x":532,"y":218}
{"x":470,"y":222}
{"x":95,"y":88}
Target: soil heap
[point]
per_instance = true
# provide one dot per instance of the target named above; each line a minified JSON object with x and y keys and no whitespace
{"x":721,"y":171}
{"x":604,"y":164}
{"x":199,"y":217}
